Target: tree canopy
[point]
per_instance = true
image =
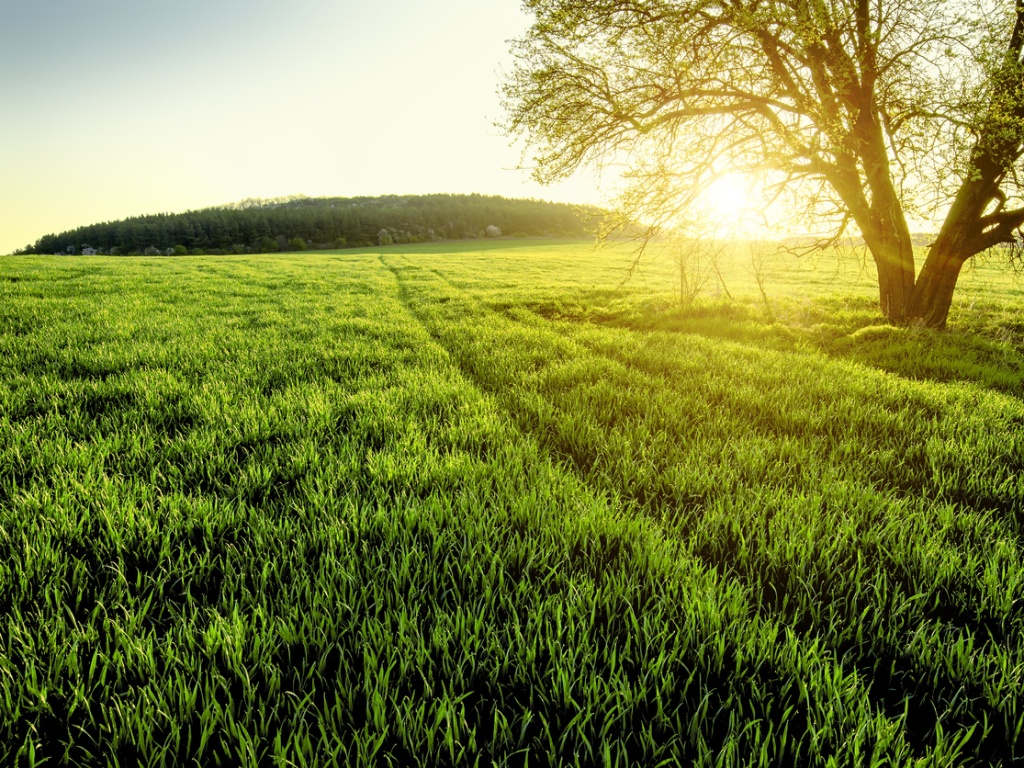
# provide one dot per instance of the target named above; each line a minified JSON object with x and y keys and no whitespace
{"x":866,"y":114}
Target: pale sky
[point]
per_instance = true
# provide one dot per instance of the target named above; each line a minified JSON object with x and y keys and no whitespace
{"x":115,"y":108}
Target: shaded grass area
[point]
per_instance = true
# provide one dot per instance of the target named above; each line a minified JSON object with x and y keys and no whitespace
{"x":823,"y":303}
{"x":425,"y":508}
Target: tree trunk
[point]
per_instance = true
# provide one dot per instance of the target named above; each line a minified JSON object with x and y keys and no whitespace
{"x":960,"y":238}
{"x":883,"y":222}
{"x":895,"y":265}
{"x":977,"y":219}
{"x":933,"y":294}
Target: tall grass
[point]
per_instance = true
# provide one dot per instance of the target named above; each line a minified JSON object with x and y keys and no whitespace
{"x":447,"y":506}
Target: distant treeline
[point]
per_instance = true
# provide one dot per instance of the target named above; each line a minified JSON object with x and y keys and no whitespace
{"x":300,"y":223}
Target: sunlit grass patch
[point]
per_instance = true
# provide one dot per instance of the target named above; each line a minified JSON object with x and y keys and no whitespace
{"x":419,"y":506}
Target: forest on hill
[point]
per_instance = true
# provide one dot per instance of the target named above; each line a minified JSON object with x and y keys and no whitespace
{"x":301,"y":223}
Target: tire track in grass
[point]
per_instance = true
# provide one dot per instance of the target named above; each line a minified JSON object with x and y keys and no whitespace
{"x":612,"y":553}
{"x":867,"y":660}
{"x":810,"y":648}
{"x":611,"y":615}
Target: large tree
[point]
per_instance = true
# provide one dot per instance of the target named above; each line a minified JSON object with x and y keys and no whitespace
{"x":870,"y":112}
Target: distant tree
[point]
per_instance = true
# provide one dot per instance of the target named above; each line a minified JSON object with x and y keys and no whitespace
{"x":492,"y":231}
{"x":385,"y":238}
{"x":324,"y":222}
{"x":867,"y":110}
{"x":179,"y":250}
{"x":297,"y":244}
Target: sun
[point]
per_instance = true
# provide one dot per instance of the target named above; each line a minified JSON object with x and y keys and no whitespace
{"x":727,"y":198}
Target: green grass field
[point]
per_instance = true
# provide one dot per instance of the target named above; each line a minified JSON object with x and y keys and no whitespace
{"x":487,"y":504}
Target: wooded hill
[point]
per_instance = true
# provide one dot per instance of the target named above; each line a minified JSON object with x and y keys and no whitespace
{"x":300,"y":223}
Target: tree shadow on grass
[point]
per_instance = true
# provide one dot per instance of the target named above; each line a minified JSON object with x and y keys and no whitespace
{"x":984,"y":350}
{"x":957,"y":355}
